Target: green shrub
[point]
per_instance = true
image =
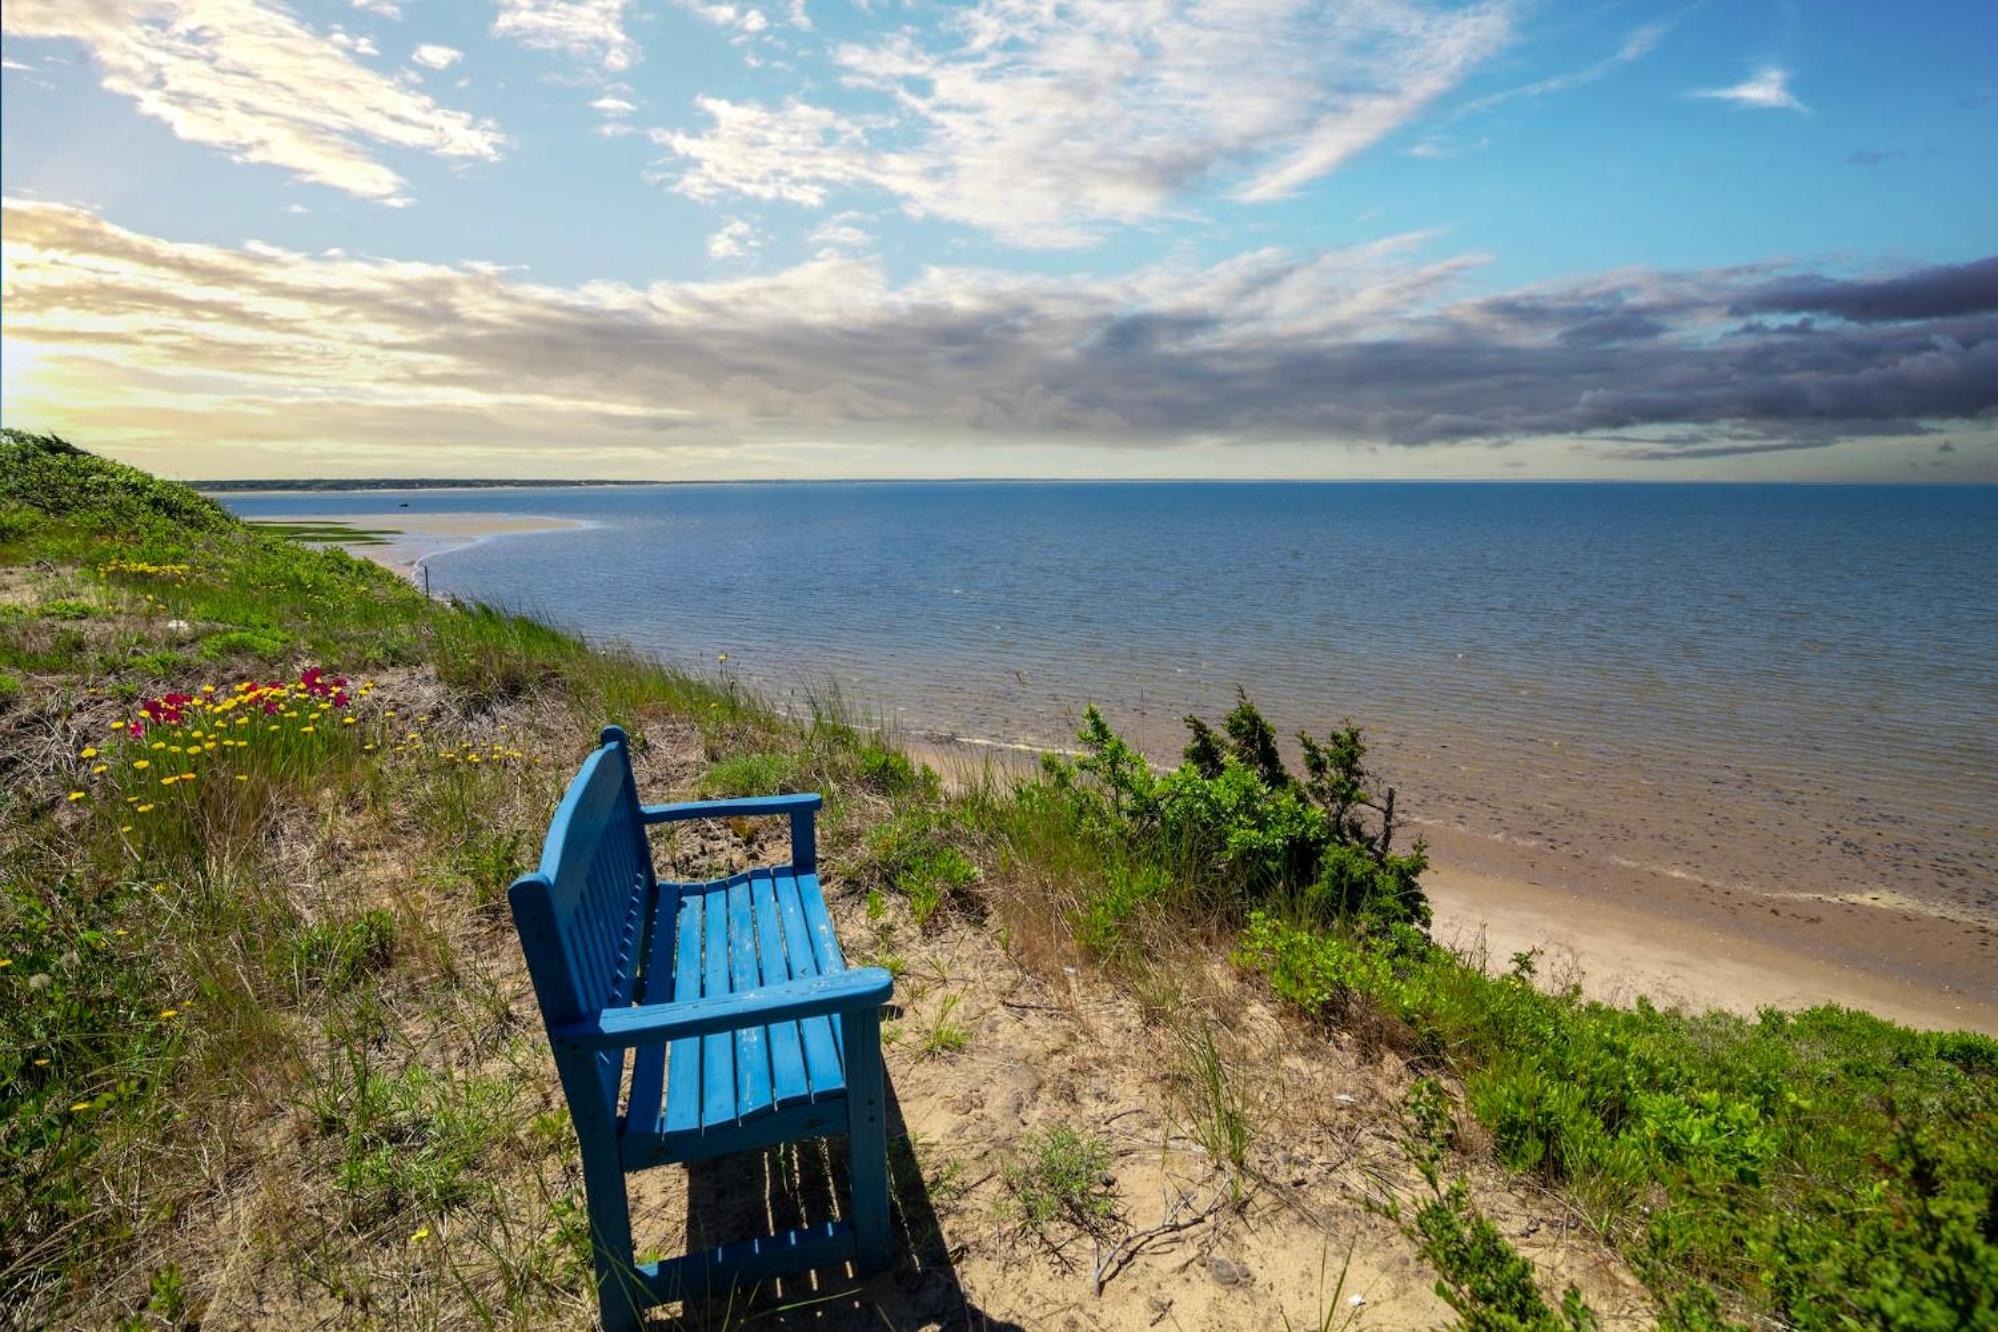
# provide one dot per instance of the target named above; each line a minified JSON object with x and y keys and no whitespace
{"x":914,"y":853}
{"x":1233,"y":819}
{"x":335,"y":953}
{"x":772,"y":773}
{"x":1828,"y":1168}
{"x":10,"y":684}
{"x":69,"y":608}
{"x":888,"y":771}
{"x":1061,"y":1175}
{"x":1482,"y":1277}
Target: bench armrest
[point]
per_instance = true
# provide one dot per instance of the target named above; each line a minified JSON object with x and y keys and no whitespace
{"x":747,"y":807}
{"x":803,"y":809}
{"x":645,"y":1024}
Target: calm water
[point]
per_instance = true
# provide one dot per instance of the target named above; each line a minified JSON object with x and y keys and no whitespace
{"x":1794,"y":686}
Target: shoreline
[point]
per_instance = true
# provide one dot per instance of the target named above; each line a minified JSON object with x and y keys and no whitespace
{"x":1624,"y":930}
{"x":422,"y":537}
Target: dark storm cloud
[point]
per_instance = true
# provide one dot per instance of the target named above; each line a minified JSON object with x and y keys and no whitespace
{"x":1929,"y":293}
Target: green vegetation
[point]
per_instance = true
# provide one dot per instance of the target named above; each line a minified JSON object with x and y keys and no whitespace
{"x":325,"y":532}
{"x":1061,"y":1177}
{"x":254,"y":981}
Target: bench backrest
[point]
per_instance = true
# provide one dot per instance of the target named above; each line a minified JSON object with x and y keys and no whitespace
{"x":581,"y":916}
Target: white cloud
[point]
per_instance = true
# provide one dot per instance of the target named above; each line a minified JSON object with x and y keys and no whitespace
{"x":613,"y":106}
{"x":362,"y":44}
{"x":1768,"y":88}
{"x":842,"y":231}
{"x":615,"y":129}
{"x":737,"y":239}
{"x":590,"y":30}
{"x":387,"y":9}
{"x":296,"y":208}
{"x":1045,"y":121}
{"x":257,"y":83}
{"x":8,"y":62}
{"x":431,"y":56}
{"x":742,"y":18}
{"x":797,"y":17}
{"x":792,"y":153}
{"x":1641,"y":42}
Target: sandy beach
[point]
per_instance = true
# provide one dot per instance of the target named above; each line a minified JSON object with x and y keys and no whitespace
{"x":1621,"y":930}
{"x":419,"y":536}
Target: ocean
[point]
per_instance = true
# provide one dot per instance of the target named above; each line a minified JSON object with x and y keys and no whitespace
{"x":1787,"y":688}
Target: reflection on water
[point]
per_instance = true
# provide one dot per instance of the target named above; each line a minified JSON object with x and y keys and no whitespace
{"x":1789,"y":686}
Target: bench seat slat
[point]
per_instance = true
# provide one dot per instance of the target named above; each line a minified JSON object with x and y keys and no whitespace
{"x":752,"y":1057}
{"x":787,"y":1051}
{"x":683,"y":1074}
{"x":718,"y":1051}
{"x":821,"y":1041}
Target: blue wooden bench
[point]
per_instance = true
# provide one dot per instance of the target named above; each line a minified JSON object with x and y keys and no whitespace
{"x":729,"y":1007}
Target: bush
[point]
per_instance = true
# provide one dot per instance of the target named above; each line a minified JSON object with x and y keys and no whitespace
{"x":1060,"y":1175}
{"x":1829,"y":1169}
{"x":1232,"y":819}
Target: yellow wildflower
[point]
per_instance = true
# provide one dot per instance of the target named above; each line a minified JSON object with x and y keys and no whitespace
{"x":89,"y":751}
{"x":145,"y":809}
{"x":346,"y":721}
{"x":75,"y":795}
{"x":79,"y":1107}
{"x":169,"y":1012}
{"x":421,"y":1234}
{"x":303,"y":729}
{"x":208,"y":689}
{"x":142,"y":764}
{"x":242,"y":777}
{"x":41,"y":1063}
{"x":99,"y":768}
{"x":118,"y":725}
{"x":124,"y":827}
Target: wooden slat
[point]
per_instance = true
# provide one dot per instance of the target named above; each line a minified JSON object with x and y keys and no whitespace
{"x":787,"y":1050}
{"x":825,"y":944}
{"x":752,"y":1057}
{"x":822,"y":1066}
{"x":745,"y":1263}
{"x":717,"y":1052}
{"x":648,"y":1063}
{"x":683,"y":1072}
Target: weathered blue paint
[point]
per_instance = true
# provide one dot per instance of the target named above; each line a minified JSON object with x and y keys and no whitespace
{"x":743,"y":1025}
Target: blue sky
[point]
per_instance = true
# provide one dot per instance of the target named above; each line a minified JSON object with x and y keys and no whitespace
{"x":1017,"y":237}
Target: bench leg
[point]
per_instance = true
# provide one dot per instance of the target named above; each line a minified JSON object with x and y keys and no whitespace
{"x":620,"y":1297}
{"x":867,"y":1140}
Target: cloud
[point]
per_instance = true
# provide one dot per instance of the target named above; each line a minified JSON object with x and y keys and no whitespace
{"x":613,"y":106}
{"x":1372,"y":344}
{"x":737,"y":239}
{"x":1768,"y":88}
{"x":842,"y":231}
{"x":1931,"y":293}
{"x":742,"y":18}
{"x":1040,"y":123}
{"x":591,"y":30}
{"x":431,"y":56}
{"x":793,"y":153}
{"x":257,"y":83}
{"x":387,"y":9}
{"x":1641,"y":42}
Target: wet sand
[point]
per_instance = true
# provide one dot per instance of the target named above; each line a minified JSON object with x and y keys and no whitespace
{"x":1621,"y":930}
{"x":420,"y":536}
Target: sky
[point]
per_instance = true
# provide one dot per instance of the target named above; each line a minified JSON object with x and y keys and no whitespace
{"x":677,"y":239}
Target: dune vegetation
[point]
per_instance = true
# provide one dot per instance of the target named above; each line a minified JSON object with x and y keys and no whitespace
{"x":261,"y":1013}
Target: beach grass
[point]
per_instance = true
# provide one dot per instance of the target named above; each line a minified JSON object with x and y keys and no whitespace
{"x":261,"y":1013}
